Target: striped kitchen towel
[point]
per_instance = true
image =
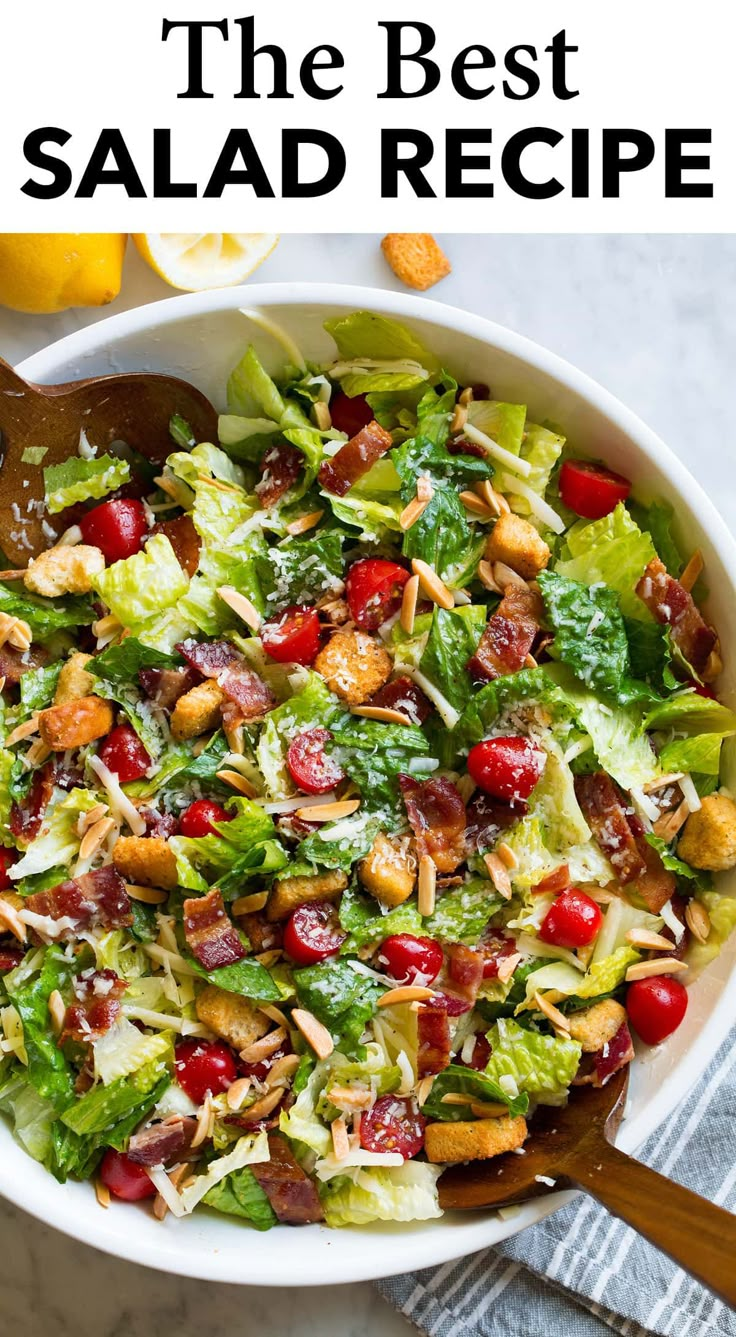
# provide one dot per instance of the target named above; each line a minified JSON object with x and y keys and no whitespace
{"x":582,"y":1272}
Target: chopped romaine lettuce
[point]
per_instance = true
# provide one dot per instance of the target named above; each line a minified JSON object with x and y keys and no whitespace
{"x":613,"y":552}
{"x":138,"y":588}
{"x":405,"y":1192}
{"x":541,"y":1065}
{"x":80,"y":479}
{"x":477,"y":1086}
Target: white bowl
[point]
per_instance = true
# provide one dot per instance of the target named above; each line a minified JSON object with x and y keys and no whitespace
{"x":200,"y":337}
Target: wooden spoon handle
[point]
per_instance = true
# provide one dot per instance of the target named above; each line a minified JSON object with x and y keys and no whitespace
{"x":696,"y":1234}
{"x":9,"y":379}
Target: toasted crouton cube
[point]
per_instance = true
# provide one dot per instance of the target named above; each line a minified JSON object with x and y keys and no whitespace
{"x":64,"y":570}
{"x":416,"y":258}
{"x":389,"y":870}
{"x":474,"y":1141}
{"x":516,"y":542}
{"x":146,"y":860}
{"x":293,"y":891}
{"x":708,"y":839}
{"x":596,"y":1026}
{"x":231,"y":1016}
{"x":197,"y":711}
{"x":354,"y":666}
{"x":75,"y":723}
{"x":74,"y":681}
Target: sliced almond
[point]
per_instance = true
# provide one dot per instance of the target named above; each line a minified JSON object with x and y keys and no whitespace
{"x":425,"y":491}
{"x":10,"y":920}
{"x":492,"y":1109}
{"x":459,"y":418}
{"x":265,"y":1047}
{"x":106,"y":626}
{"x":660,"y":965}
{"x":241,"y":606}
{"x":235,"y":736}
{"x":264,"y":1106}
{"x":648,"y":941}
{"x":321,"y":416}
{"x":455,"y":1098}
{"x":530,"y":662}
{"x":434,"y":588}
{"x":95,"y":837}
{"x":147,"y":895}
{"x":693,"y":570}
{"x":316,"y":1035}
{"x":506,"y":855}
{"x":17,"y":573}
{"x":237,"y":781}
{"x":199,"y":744}
{"x":662,"y":781}
{"x":507,"y":965}
{"x":102,"y":1192}
{"x":340,"y":1139}
{"x":270,"y":958}
{"x":355,"y":1097}
{"x":88,"y":819}
{"x":304,"y":523}
{"x":552,"y":1013}
{"x":175,"y":1178}
{"x":282,"y":1070}
{"x":384,"y":714}
{"x":249,"y":905}
{"x":406,"y":993}
{"x":37,"y":754}
{"x":237,"y":1092}
{"x":499,"y":875}
{"x":24,"y":730}
{"x":487,"y":578}
{"x":328,"y":812}
{"x":667,"y":826}
{"x":274,"y":1014}
{"x":57,"y":1011}
{"x":412,"y":512}
{"x":70,"y":538}
{"x":505,"y":575}
{"x":204,"y":1120}
{"x":466,"y":395}
{"x":697,"y":920}
{"x":409,"y":604}
{"x":427,"y":885}
{"x":473,"y":503}
{"x":424,"y":1088}
{"x":495,"y":501}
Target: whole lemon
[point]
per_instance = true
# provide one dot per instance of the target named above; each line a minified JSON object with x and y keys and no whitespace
{"x":43,"y":272}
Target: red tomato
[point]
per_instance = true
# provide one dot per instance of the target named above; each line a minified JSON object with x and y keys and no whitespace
{"x":480,"y":1055}
{"x":393,"y":1124}
{"x":312,"y":933}
{"x":591,"y":490}
{"x":117,"y":527}
{"x":124,"y":754}
{"x":411,"y":960}
{"x":656,"y":1006}
{"x":202,"y":1066}
{"x":703,"y":689}
{"x":374,"y":591}
{"x":261,"y":1069}
{"x":508,"y":768}
{"x":7,"y":859}
{"x":573,"y":920}
{"x":10,"y":957}
{"x":349,"y":415}
{"x":310,"y":767}
{"x":493,"y":949}
{"x":199,"y":817}
{"x":124,"y":1178}
{"x":293,"y":636}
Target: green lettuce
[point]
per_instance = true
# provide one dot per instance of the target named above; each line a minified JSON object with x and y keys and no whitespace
{"x":82,"y":480}
{"x":116,"y":672}
{"x":339,"y":997}
{"x":58,"y":843}
{"x":245,"y":847}
{"x":590,"y":635}
{"x":503,"y":423}
{"x":613,"y":552}
{"x":453,"y":640}
{"x":48,"y":1070}
{"x":477,"y":1086}
{"x":240,"y":1194}
{"x":619,"y":742}
{"x":461,"y":913}
{"x":541,"y":1065}
{"x":138,"y":588}
{"x":363,"y":921}
{"x":541,"y":448}
{"x":405,"y":1192}
{"x":37,"y":688}
{"x":300,"y":570}
{"x":46,"y":616}
{"x":528,"y":689}
{"x":32,"y":1116}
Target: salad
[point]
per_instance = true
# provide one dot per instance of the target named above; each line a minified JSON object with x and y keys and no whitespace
{"x":360,"y":791}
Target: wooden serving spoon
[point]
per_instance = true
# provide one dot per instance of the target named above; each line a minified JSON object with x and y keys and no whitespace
{"x":573,"y":1147}
{"x":134,"y":407}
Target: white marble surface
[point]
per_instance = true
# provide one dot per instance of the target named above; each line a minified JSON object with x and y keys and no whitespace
{"x":652,"y":317}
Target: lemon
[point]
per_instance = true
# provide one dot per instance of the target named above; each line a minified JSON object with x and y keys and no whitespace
{"x":196,"y":260}
{"x":42,"y":272}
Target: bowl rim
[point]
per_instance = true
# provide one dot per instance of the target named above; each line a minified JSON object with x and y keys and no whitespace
{"x":433,"y":1245}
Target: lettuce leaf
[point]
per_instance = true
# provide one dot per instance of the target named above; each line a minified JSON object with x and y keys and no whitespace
{"x":617,"y":732}
{"x":124,"y":1049}
{"x":477,"y":1086}
{"x":541,"y":448}
{"x":364,"y":334}
{"x":300,"y":570}
{"x":613,"y":552}
{"x":528,"y":689}
{"x":362,"y":919}
{"x":37,"y":688}
{"x":48,"y":1070}
{"x":503,"y":423}
{"x":33,"y":1117}
{"x":373,"y":754}
{"x":405,"y":1192}
{"x":116,"y":671}
{"x":138,"y":588}
{"x":240,"y":1194}
{"x":245,"y":847}
{"x":58,"y":843}
{"x":461,"y":913}
{"x":340,"y":998}
{"x":46,"y":616}
{"x":80,"y":479}
{"x":453,"y":640}
{"x":590,"y":635}
{"x":541,"y":1065}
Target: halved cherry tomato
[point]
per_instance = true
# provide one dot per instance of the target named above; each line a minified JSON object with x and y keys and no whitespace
{"x":310,"y":767}
{"x":411,"y":960}
{"x":202,"y":1066}
{"x":656,"y":1006}
{"x":349,"y":415}
{"x":118,"y":528}
{"x":199,"y":818}
{"x":591,"y":490}
{"x":393,"y":1124}
{"x":374,"y":590}
{"x":293,"y":636}
{"x":312,"y":933}
{"x":703,"y":689}
{"x":124,"y":754}
{"x":494,"y":948}
{"x":261,"y":1069}
{"x":508,"y":768}
{"x":124,"y":1178}
{"x":7,"y":859}
{"x":573,"y":920}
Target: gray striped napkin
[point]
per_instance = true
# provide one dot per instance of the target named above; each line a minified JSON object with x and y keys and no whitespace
{"x":603,"y":1276}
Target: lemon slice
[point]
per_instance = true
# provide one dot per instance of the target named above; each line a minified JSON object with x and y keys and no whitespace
{"x":197,"y":260}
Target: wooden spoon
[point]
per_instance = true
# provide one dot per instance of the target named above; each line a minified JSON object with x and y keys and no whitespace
{"x":572,"y":1147}
{"x":134,"y":407}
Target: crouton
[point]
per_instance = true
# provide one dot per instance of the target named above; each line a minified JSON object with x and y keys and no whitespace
{"x":389,"y":870}
{"x":293,"y":891}
{"x":474,"y":1141}
{"x":74,"y":681}
{"x":231,"y":1016}
{"x":708,"y":839}
{"x":64,"y":570}
{"x":514,"y":541}
{"x":416,"y":258}
{"x":354,"y":666}
{"x":596,"y":1026}
{"x":145,"y":860}
{"x":75,"y":723}
{"x":197,"y":711}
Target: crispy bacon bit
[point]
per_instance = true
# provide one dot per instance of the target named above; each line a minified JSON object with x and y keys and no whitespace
{"x":209,"y":932}
{"x":183,"y":538}
{"x":289,"y":1190}
{"x":465,"y":972}
{"x":14,"y":663}
{"x":162,"y":824}
{"x":487,"y":817}
{"x":280,"y":468}
{"x":596,"y":1069}
{"x":10,"y":957}
{"x":509,"y":634}
{"x":221,"y":661}
{"x":26,"y":816}
{"x":553,"y":883}
{"x":96,"y":899}
{"x":655,"y":885}
{"x":436,"y":814}
{"x":673,"y":605}
{"x":403,"y":694}
{"x":433,"y":1028}
{"x":604,"y":807}
{"x":165,"y":686}
{"x":459,"y":445}
{"x":162,"y":1142}
{"x":98,"y":994}
{"x":354,"y":459}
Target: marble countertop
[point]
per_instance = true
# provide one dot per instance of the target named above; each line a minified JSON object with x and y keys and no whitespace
{"x":649,"y":317}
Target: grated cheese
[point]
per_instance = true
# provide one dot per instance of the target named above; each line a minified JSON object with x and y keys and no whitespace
{"x":512,"y":462}
{"x":120,"y":804}
{"x":689,"y":793}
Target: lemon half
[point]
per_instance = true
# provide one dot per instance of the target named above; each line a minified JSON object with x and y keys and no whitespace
{"x":43,"y":272}
{"x":197,"y":260}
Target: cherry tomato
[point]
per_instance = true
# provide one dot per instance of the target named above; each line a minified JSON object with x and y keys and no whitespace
{"x":508,"y":768}
{"x":349,"y":415}
{"x":393,"y":1124}
{"x":124,"y":754}
{"x":494,"y":948}
{"x":411,"y":960}
{"x":7,"y":859}
{"x":124,"y":1178}
{"x":591,"y":490}
{"x":261,"y":1069}
{"x":374,"y":591}
{"x":656,"y":1006}
{"x":293,"y":636}
{"x":10,"y":957}
{"x":198,"y":818}
{"x":703,"y":689}
{"x":202,"y":1066}
{"x":118,"y":528}
{"x":312,"y":933}
{"x":573,"y":920}
{"x":310,"y":767}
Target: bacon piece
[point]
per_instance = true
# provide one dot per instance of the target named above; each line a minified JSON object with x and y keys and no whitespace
{"x":487,"y":817}
{"x":354,"y":459}
{"x":433,"y":1029}
{"x":183,"y":538}
{"x":671,"y":604}
{"x":10,"y":957}
{"x":162,"y":1142}
{"x":596,"y":1069}
{"x":96,"y":899}
{"x":480,"y":1055}
{"x":509,"y":634}
{"x":553,"y":883}
{"x":14,"y":663}
{"x":289,"y":1190}
{"x":209,"y":932}
{"x":26,"y":815}
{"x":163,"y":824}
{"x":222,"y":662}
{"x":280,"y":468}
{"x":465,"y":973}
{"x":98,"y":994}
{"x":403,"y":694}
{"x":459,"y":445}
{"x":655,"y":885}
{"x":165,"y":686}
{"x":603,"y":805}
{"x":436,"y":813}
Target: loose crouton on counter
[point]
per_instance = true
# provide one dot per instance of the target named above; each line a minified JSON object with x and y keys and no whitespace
{"x":75,"y":723}
{"x":596,"y":1026}
{"x":389,"y":870}
{"x":74,"y":681}
{"x":64,"y":570}
{"x":708,"y":839}
{"x":354,"y":666}
{"x":290,"y":892}
{"x":416,"y":259}
{"x":514,"y":541}
{"x":231,"y":1016}
{"x":146,"y":860}
{"x":474,"y":1141}
{"x":197,"y":711}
